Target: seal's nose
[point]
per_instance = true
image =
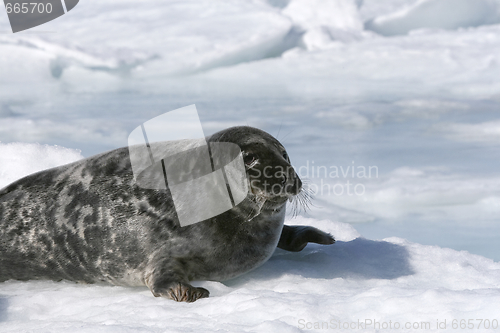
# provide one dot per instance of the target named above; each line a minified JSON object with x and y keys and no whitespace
{"x":293,"y":183}
{"x":298,"y":183}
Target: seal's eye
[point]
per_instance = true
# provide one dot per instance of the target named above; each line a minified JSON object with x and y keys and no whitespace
{"x":249,"y":160}
{"x":285,"y":156}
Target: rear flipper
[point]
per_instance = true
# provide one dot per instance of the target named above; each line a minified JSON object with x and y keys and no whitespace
{"x":295,"y":238}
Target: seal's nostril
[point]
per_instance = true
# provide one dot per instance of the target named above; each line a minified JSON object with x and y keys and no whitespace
{"x":283,"y":179}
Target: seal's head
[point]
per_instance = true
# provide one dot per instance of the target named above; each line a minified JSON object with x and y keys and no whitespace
{"x":271,"y":177}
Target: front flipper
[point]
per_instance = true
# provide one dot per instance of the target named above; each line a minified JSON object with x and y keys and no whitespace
{"x":295,"y":238}
{"x":167,"y":279}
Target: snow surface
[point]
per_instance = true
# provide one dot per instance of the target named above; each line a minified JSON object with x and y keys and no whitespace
{"x":445,"y":14}
{"x":356,"y":279}
{"x":407,"y":86}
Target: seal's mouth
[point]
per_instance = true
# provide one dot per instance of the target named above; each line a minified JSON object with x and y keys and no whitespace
{"x":260,"y":200}
{"x":299,"y":202}
{"x":277,"y":193}
{"x":299,"y":196}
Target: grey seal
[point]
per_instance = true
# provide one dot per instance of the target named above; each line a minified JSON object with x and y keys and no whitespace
{"x":89,"y":222}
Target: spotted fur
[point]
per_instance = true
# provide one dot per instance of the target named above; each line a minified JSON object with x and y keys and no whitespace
{"x":89,"y":222}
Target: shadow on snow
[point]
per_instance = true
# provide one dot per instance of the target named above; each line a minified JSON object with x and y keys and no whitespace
{"x":3,"y":308}
{"x":357,"y":259}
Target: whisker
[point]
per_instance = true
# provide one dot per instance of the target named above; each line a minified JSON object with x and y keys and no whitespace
{"x":283,"y":140}
{"x":278,"y":135}
{"x":303,"y":200}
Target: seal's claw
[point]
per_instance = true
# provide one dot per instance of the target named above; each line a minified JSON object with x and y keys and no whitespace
{"x":182,"y":292}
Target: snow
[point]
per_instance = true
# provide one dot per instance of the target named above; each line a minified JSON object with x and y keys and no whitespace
{"x":421,"y":191}
{"x":21,"y":159}
{"x":170,"y":37}
{"x":488,"y":132}
{"x":354,"y":279}
{"x":440,"y":65}
{"x":322,"y":22}
{"x":407,"y":86}
{"x":444,"y":14}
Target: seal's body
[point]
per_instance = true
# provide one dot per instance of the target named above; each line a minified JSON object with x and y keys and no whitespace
{"x":89,"y":222}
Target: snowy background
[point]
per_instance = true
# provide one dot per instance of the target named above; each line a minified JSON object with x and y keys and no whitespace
{"x":409,"y":88}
